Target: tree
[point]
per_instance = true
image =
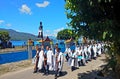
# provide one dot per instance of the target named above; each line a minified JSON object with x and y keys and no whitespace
{"x":4,"y":36}
{"x":97,"y":19}
{"x":65,"y":34}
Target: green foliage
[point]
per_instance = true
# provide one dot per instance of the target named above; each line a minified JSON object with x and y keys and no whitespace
{"x":92,"y":18}
{"x":101,"y":21}
{"x":65,"y":34}
{"x":4,"y":36}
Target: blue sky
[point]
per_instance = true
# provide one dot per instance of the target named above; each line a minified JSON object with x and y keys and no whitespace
{"x":25,"y":15}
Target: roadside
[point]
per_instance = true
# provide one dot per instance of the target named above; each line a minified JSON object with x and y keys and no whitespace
{"x":26,"y":72}
{"x":14,"y":66}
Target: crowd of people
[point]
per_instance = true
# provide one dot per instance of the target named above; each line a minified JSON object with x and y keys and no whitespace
{"x":48,"y":60}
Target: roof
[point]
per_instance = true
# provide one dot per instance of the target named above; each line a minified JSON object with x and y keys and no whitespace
{"x":45,"y":40}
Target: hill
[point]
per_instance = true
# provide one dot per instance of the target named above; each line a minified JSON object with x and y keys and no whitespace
{"x":19,"y":35}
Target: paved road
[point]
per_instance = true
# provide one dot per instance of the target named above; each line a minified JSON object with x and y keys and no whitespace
{"x":27,"y":73}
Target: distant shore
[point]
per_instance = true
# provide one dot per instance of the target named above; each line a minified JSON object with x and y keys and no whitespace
{"x":17,"y":48}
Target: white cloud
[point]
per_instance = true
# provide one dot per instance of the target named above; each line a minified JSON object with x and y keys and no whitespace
{"x":2,"y":21}
{"x":8,"y":25}
{"x":25,"y":9}
{"x":44,"y":4}
{"x":57,"y":30}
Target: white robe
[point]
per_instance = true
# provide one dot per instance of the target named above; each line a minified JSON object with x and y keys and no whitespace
{"x":99,"y":49}
{"x":74,"y":61}
{"x":95,"y":50}
{"x":79,"y":53}
{"x":67,"y":51}
{"x":50,"y":59}
{"x":41,"y":59}
{"x":60,"y":58}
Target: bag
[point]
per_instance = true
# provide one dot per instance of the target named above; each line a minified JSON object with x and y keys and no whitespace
{"x":34,"y":60}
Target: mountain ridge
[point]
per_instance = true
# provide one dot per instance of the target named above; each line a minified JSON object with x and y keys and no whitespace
{"x":15,"y":35}
{"x":21,"y":36}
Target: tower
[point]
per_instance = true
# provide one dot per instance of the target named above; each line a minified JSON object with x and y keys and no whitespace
{"x":40,"y":34}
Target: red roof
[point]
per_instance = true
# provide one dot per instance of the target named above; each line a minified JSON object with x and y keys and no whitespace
{"x":47,"y":39}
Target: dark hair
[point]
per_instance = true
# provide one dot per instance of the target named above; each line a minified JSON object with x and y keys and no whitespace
{"x":56,"y":44}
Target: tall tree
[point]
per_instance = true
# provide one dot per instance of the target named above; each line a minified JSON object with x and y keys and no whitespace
{"x":4,"y":36}
{"x":97,"y":19}
{"x":65,"y":34}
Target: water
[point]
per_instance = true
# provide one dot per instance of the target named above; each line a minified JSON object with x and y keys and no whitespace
{"x":18,"y":43}
{"x":22,"y":55}
{"x":14,"y":57}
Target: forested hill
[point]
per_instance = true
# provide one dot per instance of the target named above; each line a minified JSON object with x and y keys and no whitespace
{"x":19,"y":35}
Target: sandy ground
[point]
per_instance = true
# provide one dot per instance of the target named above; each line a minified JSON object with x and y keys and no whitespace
{"x":84,"y":72}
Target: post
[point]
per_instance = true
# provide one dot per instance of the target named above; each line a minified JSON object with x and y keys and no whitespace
{"x":30,"y":43}
{"x":40,"y":34}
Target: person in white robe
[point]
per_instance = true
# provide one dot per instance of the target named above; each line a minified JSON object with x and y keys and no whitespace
{"x":83,"y":56}
{"x":41,"y":59}
{"x":99,"y":49}
{"x":89,"y":52}
{"x":86,"y":53}
{"x":50,"y":59}
{"x":79,"y":56}
{"x":74,"y":61}
{"x":59,"y":62}
{"x":95,"y":50}
{"x":67,"y":53}
{"x":36,"y":59}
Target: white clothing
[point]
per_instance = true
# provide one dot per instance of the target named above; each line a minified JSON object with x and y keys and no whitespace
{"x":74,"y":61}
{"x":50,"y":59}
{"x":41,"y":59}
{"x":95,"y":50}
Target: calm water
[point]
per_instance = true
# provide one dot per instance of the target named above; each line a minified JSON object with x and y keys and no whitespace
{"x":22,"y":55}
{"x":14,"y":57}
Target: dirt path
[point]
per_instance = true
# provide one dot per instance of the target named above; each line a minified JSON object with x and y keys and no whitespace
{"x":27,"y":73}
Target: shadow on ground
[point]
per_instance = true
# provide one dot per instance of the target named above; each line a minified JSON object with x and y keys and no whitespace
{"x":97,"y":74}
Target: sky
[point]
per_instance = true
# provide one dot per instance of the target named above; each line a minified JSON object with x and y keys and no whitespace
{"x":25,"y":16}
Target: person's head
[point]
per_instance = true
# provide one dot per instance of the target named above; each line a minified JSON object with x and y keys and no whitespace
{"x":50,"y":48}
{"x":42,"y":47}
{"x":56,"y":45}
{"x":37,"y":47}
{"x":47,"y":47}
{"x":58,"y":49}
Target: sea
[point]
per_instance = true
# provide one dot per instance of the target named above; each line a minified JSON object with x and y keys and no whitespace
{"x":9,"y":57}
